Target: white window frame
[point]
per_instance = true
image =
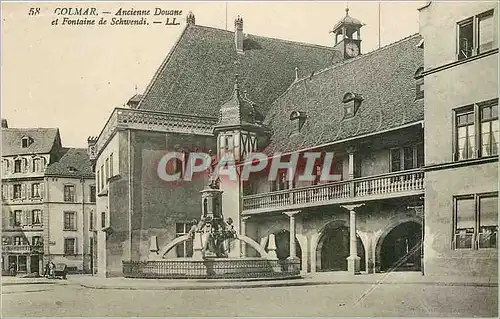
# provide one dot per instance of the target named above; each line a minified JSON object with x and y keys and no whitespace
{"x":474,"y":20}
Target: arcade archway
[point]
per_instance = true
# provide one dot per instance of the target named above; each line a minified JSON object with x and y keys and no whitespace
{"x":283,"y":245}
{"x":282,"y":239}
{"x":400,"y":249}
{"x":333,"y":249}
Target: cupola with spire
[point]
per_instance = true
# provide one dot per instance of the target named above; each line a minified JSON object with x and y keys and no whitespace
{"x":347,"y":36}
{"x":240,"y":123}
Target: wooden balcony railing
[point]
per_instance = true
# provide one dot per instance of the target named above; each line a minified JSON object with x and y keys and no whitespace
{"x":385,"y":185}
{"x":22,"y":248}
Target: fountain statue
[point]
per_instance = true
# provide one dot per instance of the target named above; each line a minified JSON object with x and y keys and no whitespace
{"x":212,"y":232}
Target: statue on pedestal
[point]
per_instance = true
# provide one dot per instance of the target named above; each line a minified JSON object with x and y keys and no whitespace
{"x":214,"y":231}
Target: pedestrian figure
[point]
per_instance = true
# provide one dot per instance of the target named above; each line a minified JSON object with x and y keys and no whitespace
{"x":52,"y":268}
{"x":46,"y":272}
{"x":13,"y":269}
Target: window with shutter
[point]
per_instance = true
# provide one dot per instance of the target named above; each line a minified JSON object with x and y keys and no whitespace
{"x":23,"y":191}
{"x":6,"y":166}
{"x":16,"y":191}
{"x":36,"y":217}
{"x":17,"y":166}
{"x":69,"y":193}
{"x":69,"y":246}
{"x":18,"y":217}
{"x":42,"y":190}
{"x":5,"y":192}
{"x":12,"y":219}
{"x":28,"y":217}
{"x":37,"y":165}
{"x":25,"y":165}
{"x":69,"y":221}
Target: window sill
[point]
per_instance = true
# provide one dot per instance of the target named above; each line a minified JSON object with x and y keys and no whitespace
{"x":467,"y":162}
{"x":459,"y":62}
{"x":69,"y":229}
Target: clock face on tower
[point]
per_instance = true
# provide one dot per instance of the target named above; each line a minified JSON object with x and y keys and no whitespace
{"x":352,"y":49}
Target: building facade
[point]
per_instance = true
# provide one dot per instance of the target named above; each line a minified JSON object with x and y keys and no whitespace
{"x":219,"y":91}
{"x":461,"y":137}
{"x":35,"y":172}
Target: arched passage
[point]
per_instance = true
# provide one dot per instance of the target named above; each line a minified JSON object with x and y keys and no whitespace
{"x":333,"y":248}
{"x":400,"y":249}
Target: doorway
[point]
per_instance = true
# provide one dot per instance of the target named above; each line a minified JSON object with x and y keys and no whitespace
{"x":35,"y":264}
{"x":401,"y":248}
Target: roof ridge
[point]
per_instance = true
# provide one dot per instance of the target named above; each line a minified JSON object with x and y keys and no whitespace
{"x":319,"y":46}
{"x":358,"y":57}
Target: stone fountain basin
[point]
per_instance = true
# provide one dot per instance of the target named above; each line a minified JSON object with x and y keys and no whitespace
{"x":212,"y":268}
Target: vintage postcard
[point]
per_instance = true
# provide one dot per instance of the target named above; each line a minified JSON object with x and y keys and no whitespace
{"x":249,"y":159}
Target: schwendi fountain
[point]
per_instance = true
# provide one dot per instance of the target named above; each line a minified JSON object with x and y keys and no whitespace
{"x":212,"y":237}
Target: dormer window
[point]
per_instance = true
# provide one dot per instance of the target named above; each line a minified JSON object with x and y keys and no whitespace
{"x":419,"y":84}
{"x":297,"y":118}
{"x":352,"y":102}
{"x":71,"y":169}
{"x":26,"y":141}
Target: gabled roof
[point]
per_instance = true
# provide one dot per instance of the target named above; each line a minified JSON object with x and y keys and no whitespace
{"x":43,"y":140}
{"x":385,"y":80}
{"x":197,"y":76}
{"x":71,"y":162}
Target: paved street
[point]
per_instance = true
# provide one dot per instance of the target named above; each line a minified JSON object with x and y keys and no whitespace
{"x":71,"y":300}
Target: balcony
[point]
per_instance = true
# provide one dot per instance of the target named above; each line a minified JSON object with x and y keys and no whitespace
{"x":22,"y":249}
{"x":400,"y":184}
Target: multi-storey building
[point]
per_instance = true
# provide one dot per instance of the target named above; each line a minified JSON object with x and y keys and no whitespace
{"x":229,"y":91}
{"x":461,"y":137}
{"x":42,"y":201}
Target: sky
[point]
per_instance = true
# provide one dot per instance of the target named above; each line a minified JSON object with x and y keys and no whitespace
{"x":72,"y":77}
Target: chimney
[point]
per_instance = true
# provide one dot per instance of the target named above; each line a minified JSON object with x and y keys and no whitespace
{"x":4,"y":123}
{"x":238,"y":34}
{"x":190,"y":18}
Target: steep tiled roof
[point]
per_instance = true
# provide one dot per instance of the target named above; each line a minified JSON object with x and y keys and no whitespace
{"x":42,"y":140}
{"x":72,"y":162}
{"x":384,"y":78}
{"x":197,"y":76}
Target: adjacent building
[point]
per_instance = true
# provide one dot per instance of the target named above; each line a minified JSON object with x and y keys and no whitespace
{"x":48,"y":198}
{"x":461,"y":137}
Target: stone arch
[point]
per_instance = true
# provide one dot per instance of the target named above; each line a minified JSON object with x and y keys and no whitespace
{"x":252,"y":244}
{"x":318,"y":241}
{"x":172,"y":244}
{"x":386,"y":231}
